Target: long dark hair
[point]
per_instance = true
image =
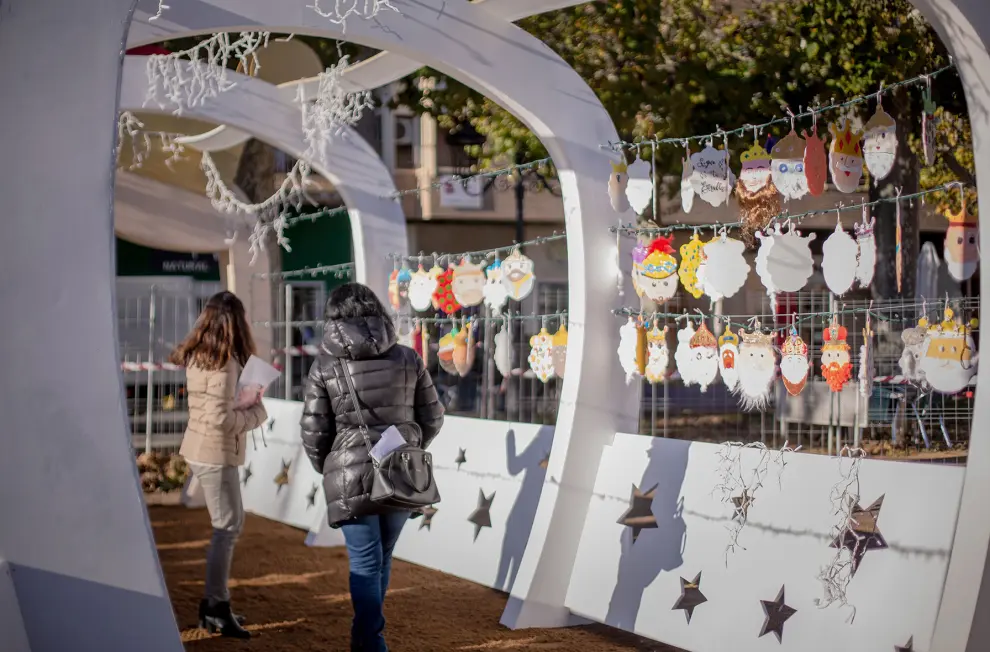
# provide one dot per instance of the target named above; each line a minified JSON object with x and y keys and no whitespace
{"x":356,"y":301}
{"x":221,"y":334}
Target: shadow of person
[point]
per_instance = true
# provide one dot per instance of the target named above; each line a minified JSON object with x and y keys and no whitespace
{"x":655,"y":549}
{"x":520,"y":522}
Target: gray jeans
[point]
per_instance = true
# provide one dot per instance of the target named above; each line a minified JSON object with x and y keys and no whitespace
{"x":222,"y":491}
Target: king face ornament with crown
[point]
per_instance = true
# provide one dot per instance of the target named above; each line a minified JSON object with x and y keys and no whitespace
{"x":794,"y":364}
{"x":836,"y":359}
{"x":845,"y":158}
{"x":949,"y":359}
{"x":468,"y":283}
{"x":658,"y":275}
{"x":962,"y":252}
{"x":728,"y":351}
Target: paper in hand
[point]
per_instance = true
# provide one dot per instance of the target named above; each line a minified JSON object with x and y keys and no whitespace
{"x":255,"y":378}
{"x":389,"y":441}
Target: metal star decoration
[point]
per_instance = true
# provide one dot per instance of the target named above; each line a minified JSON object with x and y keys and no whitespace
{"x":741,"y":504}
{"x":461,"y":458}
{"x":427,"y":520}
{"x":691,"y":597}
{"x":861,"y":534}
{"x":311,"y":496}
{"x":777,"y":614}
{"x":282,"y":478}
{"x":481,"y":517}
{"x":907,"y":648}
{"x":247,"y":475}
{"x":639,"y":516}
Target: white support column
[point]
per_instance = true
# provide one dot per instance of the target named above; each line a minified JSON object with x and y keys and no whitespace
{"x":74,"y":530}
{"x":387,"y":118}
{"x":426,"y":173}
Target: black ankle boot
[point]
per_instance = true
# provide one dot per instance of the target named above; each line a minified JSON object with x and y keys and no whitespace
{"x":219,"y":618}
{"x":204,"y":605}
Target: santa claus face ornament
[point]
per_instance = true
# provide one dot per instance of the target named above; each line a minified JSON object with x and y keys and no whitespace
{"x":658,"y":279}
{"x":704,"y":357}
{"x":880,"y":144}
{"x":950,"y":359}
{"x":845,"y":156}
{"x":787,"y":167}
{"x":422,"y":285}
{"x":757,"y":365}
{"x":468,"y":283}
{"x":836,"y":360}
{"x":794,"y":365}
{"x":728,"y":351}
{"x":517,"y":275}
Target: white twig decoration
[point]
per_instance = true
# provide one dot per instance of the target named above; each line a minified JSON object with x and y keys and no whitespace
{"x":269,"y":213}
{"x":333,"y":110}
{"x":344,"y":9}
{"x":171,"y":81}
{"x":734,"y":487}
{"x":130,"y":126}
{"x":836,"y":576}
{"x":161,"y":8}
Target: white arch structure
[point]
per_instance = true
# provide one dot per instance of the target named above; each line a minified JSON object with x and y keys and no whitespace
{"x":74,"y":523}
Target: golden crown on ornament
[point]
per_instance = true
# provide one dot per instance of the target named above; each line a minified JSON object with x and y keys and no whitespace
{"x":950,"y":326}
{"x":703,"y":337}
{"x":961,"y":218}
{"x":846,"y":141}
{"x":865,"y":229}
{"x":794,"y":345}
{"x":756,"y":338}
{"x":655,"y":335}
{"x":728,"y":337}
{"x":620,"y":167}
{"x":835,"y":338}
{"x":754,"y":155}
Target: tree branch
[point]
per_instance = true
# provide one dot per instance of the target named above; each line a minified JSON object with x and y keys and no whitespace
{"x":958,"y":169}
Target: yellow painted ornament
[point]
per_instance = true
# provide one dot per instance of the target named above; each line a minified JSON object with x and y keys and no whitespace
{"x":691,"y":257}
{"x":540,"y":356}
{"x":558,"y":351}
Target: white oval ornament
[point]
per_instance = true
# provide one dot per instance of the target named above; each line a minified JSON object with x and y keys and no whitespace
{"x":726,"y":268}
{"x":627,"y":349}
{"x":766,"y":243}
{"x":687,"y":189}
{"x":789,"y":263}
{"x":503,"y":351}
{"x":866,"y":263}
{"x":839,"y":253}
{"x":639,"y":189}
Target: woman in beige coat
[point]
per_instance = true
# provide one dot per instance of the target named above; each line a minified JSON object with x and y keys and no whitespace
{"x":213,"y":354}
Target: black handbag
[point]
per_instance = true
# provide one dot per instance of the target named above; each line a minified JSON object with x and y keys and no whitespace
{"x":403,"y":479}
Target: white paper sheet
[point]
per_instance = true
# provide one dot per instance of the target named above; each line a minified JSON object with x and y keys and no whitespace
{"x":255,"y":378}
{"x":390,"y":440}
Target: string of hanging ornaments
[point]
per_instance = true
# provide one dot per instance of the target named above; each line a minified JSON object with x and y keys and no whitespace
{"x":939,"y":355}
{"x":337,"y":11}
{"x":338,"y":271}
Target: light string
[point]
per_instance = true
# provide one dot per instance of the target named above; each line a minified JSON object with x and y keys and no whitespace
{"x":341,"y":270}
{"x":785,"y":217}
{"x":810,"y":113}
{"x":344,"y":9}
{"x":482,"y":253}
{"x":560,"y":317}
{"x":333,"y":110}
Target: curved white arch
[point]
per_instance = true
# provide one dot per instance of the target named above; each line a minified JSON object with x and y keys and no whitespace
{"x":378,"y":225}
{"x":469,"y":43}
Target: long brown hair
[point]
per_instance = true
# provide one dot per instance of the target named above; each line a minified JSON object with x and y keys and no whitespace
{"x":221,"y":333}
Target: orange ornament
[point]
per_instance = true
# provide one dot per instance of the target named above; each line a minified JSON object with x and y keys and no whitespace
{"x":443,"y":296}
{"x":815,"y":162}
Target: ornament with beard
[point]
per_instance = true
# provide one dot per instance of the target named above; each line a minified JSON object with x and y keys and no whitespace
{"x":794,"y":363}
{"x":755,"y":172}
{"x":422,"y":285}
{"x":787,"y":168}
{"x":683,"y":357}
{"x":468,"y":283}
{"x":962,"y":253}
{"x":950,"y":358}
{"x":704,"y":357}
{"x":910,"y":361}
{"x":845,"y":156}
{"x":836,"y":361}
{"x":518,"y":275}
{"x":757,"y":364}
{"x":658,"y":356}
{"x":880,"y":144}
{"x":728,"y":351}
{"x":495,"y":293}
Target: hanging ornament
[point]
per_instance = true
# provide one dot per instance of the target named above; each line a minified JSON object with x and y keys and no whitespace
{"x":726,"y":269}
{"x":393,"y":289}
{"x":683,"y":357}
{"x":418,"y":341}
{"x":815,"y":161}
{"x":443,"y":296}
{"x":639,"y":190}
{"x":757,"y":365}
{"x":617,"y":182}
{"x":558,"y":351}
{"x":788,"y":263}
{"x":914,"y":351}
{"x":836,"y":361}
{"x":712,"y":178}
{"x":845,"y":156}
{"x":757,"y":209}
{"x":464,"y":349}
{"x":866,"y":244}
{"x":628,"y":353}
{"x":402,"y":285}
{"x":691,"y":256}
{"x":950,"y":358}
{"x":879,"y":143}
{"x":425,"y":345}
{"x":755,"y":172}
{"x":468,"y":283}
{"x":658,"y":356}
{"x":704,"y":356}
{"x":687,"y":188}
{"x":766,"y":244}
{"x":639,"y":253}
{"x":540,"y":356}
{"x":728,"y":351}
{"x":445,"y":353}
{"x":503,"y":351}
{"x":787,"y":167}
{"x":494,"y":291}
{"x":405,"y":332}
{"x":422,"y":285}
{"x":962,"y":252}
{"x":839,"y":252}
{"x":518,"y":275}
{"x":866,"y":364}
{"x":794,"y":364}
{"x":929,"y":124}
{"x":658,"y":279}
{"x":641,"y":348}
{"x":898,"y":250}
{"x":706,"y":286}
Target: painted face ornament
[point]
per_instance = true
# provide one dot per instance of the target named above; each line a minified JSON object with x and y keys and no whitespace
{"x":880,"y":144}
{"x":787,"y":167}
{"x":657,"y":355}
{"x":617,"y":183}
{"x":422,"y":285}
{"x":659,"y":272}
{"x":757,"y":364}
{"x":755,"y":172}
{"x":728,"y":351}
{"x":517,"y":275}
{"x":845,"y":156}
{"x":468,"y":283}
{"x":866,"y":263}
{"x":704,"y":354}
{"x":495,"y":293}
{"x":950,"y":358}
{"x":794,"y":365}
{"x":962,"y":253}
{"x":836,"y":361}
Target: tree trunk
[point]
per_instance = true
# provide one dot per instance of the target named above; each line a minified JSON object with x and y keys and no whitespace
{"x":905,"y":175}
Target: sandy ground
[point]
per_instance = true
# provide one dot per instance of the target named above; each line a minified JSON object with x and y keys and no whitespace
{"x":296,"y":598}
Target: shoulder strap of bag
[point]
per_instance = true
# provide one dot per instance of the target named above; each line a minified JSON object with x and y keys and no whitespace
{"x":362,"y":426}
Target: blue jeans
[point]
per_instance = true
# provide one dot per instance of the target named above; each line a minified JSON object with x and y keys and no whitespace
{"x":370,"y":542}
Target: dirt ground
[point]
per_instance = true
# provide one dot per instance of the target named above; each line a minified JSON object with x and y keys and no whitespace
{"x":296,"y":598}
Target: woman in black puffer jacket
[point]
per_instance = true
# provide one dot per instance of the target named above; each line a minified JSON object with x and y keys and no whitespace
{"x":393,"y":388}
